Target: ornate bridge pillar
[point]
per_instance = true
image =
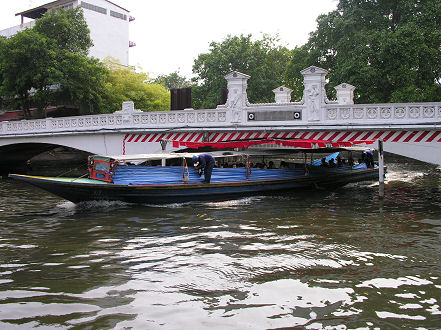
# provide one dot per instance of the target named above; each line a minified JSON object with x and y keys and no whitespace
{"x":314,"y":94}
{"x":237,"y":94}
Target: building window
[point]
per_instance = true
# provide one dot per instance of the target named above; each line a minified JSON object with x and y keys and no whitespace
{"x":66,"y":7}
{"x":118,"y":15}
{"x":98,"y":9}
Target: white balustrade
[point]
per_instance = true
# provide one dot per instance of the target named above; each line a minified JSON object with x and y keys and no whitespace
{"x":313,"y":110}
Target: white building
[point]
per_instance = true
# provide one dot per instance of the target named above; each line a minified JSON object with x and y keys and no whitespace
{"x":108,"y":24}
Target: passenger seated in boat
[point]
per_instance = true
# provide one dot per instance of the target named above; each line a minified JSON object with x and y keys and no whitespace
{"x":331,"y":162}
{"x":324,"y":163}
{"x":369,"y":158}
{"x":206,"y":163}
{"x":340,"y":161}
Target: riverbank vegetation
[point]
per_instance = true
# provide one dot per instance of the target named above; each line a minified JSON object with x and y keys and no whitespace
{"x":390,"y":50}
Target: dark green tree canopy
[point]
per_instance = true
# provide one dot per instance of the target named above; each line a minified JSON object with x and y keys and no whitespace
{"x":263,"y":60}
{"x":172,"y":80}
{"x":67,"y":29}
{"x":389,"y":49}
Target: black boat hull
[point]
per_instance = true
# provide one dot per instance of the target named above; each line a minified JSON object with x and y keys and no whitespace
{"x":178,"y":193}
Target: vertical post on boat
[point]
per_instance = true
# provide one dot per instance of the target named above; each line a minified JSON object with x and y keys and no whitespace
{"x":163,"y":146}
{"x":381,"y":168}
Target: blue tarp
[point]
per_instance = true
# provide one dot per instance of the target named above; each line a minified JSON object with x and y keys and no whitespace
{"x":318,"y":162}
{"x":139,"y":175}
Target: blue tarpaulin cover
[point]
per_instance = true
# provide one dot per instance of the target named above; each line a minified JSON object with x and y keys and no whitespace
{"x":146,"y":175}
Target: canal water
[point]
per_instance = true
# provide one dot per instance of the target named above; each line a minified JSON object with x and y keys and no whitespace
{"x":319,"y":259}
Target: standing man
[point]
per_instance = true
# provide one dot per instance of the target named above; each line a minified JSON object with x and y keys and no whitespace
{"x":204,"y":162}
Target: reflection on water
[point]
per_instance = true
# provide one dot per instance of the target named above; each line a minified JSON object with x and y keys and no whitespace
{"x":314,"y":259}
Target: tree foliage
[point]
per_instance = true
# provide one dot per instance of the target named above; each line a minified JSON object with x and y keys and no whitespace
{"x":264,"y":60}
{"x":389,"y":49}
{"x":124,"y":84}
{"x":41,"y":64}
{"x":173,"y":80}
{"x":66,"y":29}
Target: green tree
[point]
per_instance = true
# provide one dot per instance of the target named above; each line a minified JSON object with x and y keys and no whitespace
{"x":27,"y":68}
{"x":124,"y":84}
{"x":83,"y":82}
{"x":173,"y":80}
{"x":264,"y":60}
{"x":67,"y":29}
{"x":389,"y":49}
{"x":39,"y":64}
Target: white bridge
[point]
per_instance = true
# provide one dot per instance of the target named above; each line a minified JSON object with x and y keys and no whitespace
{"x":408,"y":129}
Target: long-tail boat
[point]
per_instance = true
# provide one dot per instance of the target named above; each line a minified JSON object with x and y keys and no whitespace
{"x":127,"y":177}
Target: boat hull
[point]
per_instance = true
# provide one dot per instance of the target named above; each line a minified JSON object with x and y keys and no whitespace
{"x":88,"y":190}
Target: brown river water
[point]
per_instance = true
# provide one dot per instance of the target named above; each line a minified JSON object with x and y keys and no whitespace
{"x":340,"y":259}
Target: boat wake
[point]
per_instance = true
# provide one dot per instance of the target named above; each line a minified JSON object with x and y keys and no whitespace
{"x":230,"y":203}
{"x":99,"y":206}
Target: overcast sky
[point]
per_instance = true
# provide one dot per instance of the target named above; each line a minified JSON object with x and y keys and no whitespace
{"x":170,"y":34}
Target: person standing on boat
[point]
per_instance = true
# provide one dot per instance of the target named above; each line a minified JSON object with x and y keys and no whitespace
{"x":206,"y":163}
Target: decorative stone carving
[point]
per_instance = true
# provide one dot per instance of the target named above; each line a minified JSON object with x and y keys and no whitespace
{"x":162,"y":118}
{"x":314,"y":94}
{"x":386,"y":113}
{"x":372,"y":113}
{"x":400,"y":112}
{"x":154,"y":119}
{"x":172,"y":118}
{"x":345,"y":113}
{"x":358,"y":113}
{"x":237,"y":90}
{"x":332,"y":114}
{"x":313,"y":102}
{"x":191,"y":117}
{"x":414,"y":112}
{"x":282,"y":94}
{"x":345,"y":94}
{"x":201,"y":116}
{"x":429,"y":112}
{"x":181,"y":118}
{"x":211,"y":116}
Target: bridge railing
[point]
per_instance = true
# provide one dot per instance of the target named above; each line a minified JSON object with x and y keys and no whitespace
{"x":252,"y":116}
{"x":389,"y":113}
{"x":116,"y":121}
